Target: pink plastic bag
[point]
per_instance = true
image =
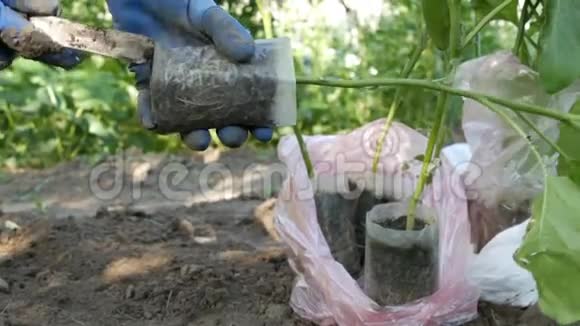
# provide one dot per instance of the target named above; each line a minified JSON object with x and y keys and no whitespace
{"x":325,"y":292}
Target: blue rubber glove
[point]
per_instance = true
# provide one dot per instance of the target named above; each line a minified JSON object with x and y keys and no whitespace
{"x":173,"y":23}
{"x":12,"y":17}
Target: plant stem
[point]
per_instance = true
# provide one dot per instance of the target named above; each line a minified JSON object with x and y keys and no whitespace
{"x":455,"y":29}
{"x":269,"y":33}
{"x":521,"y":28}
{"x":266,"y":18}
{"x":484,"y":21}
{"x":415,"y":56}
{"x":545,"y":138}
{"x":569,"y":118}
{"x":433,"y":137}
{"x":388,"y":123}
{"x":304,"y":151}
{"x":454,"y":50}
{"x":532,"y":42}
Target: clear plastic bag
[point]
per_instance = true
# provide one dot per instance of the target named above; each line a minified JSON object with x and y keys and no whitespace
{"x":325,"y":292}
{"x":197,"y":87}
{"x":508,"y":175}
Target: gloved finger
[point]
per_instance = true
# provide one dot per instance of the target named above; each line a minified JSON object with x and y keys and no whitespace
{"x":142,"y":73}
{"x":197,"y":140}
{"x":142,"y":76}
{"x":7,"y":55}
{"x":67,"y":58}
{"x":34,"y":7}
{"x":233,"y":136}
{"x":144,"y":109}
{"x":10,"y":19}
{"x":229,"y":36}
{"x":263,"y":134}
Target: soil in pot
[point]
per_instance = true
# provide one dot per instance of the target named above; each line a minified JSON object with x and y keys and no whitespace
{"x":197,"y":87}
{"x":335,"y":211}
{"x":400,"y":265}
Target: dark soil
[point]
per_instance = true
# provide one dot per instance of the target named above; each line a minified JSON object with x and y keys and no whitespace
{"x":335,"y":217}
{"x":493,"y":315}
{"x":196,"y":87}
{"x":135,"y":269}
{"x":215,"y":263}
{"x":397,"y":276}
{"x":400,"y":224}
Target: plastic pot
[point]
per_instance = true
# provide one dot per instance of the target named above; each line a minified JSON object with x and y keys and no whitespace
{"x":400,"y":265}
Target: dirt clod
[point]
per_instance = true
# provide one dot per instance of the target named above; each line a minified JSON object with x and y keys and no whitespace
{"x":130,"y":292}
{"x":29,"y":42}
{"x":186,"y":228}
{"x":4,"y":286}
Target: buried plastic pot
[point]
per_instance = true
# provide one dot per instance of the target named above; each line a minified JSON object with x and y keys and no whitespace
{"x":366,"y":201}
{"x":335,"y":208}
{"x":400,"y":265}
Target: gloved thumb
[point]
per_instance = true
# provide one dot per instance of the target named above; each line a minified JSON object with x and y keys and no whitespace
{"x":34,"y":7}
{"x":229,"y":36}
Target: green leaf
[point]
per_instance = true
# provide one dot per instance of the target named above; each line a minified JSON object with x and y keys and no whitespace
{"x":551,"y":249}
{"x":436,"y":15}
{"x":96,"y":127}
{"x":483,"y":7}
{"x":558,"y":62}
{"x":574,"y":171}
{"x":568,"y":142}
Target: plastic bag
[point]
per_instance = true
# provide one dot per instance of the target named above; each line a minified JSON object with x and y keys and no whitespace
{"x":508,"y":166}
{"x":508,"y":174}
{"x":497,"y":275}
{"x":325,"y":292}
{"x":494,"y":270}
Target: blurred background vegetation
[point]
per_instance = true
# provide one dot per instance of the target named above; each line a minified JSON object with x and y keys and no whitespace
{"x":48,"y":115}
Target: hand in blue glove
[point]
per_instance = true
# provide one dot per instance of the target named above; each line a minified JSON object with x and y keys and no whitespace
{"x":13,"y":16}
{"x":173,"y":23}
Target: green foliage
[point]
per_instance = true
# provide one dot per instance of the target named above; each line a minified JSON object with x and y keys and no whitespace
{"x":551,"y":250}
{"x":48,"y":115}
{"x":558,"y":62}
{"x":483,"y":7}
{"x":568,"y":142}
{"x":436,"y":16}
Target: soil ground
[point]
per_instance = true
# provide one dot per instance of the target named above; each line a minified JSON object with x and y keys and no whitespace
{"x":72,"y":259}
{"x":169,"y":248}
